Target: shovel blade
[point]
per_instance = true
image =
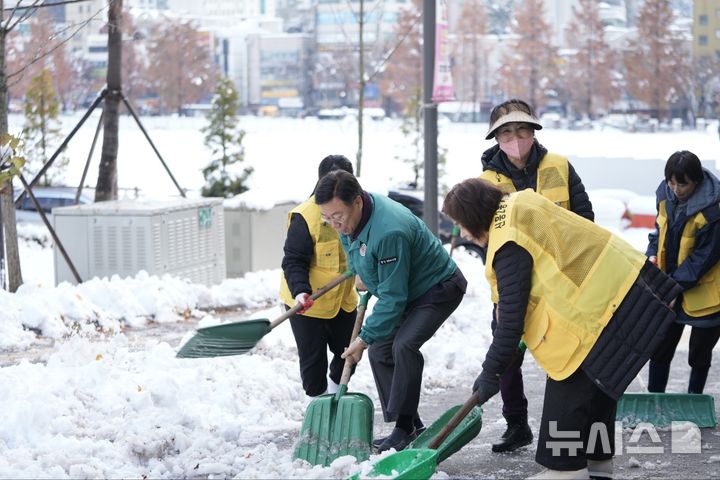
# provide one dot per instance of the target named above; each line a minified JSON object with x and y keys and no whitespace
{"x":333,"y":428}
{"x":661,"y":409}
{"x":468,"y":429}
{"x":222,"y":340}
{"x":409,"y":464}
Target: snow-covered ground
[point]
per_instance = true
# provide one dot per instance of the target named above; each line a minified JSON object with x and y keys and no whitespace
{"x":100,"y":404}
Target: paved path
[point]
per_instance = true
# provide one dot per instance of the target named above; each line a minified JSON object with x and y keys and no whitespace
{"x":477,"y":461}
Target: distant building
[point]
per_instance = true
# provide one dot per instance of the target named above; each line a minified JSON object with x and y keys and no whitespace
{"x":337,"y":35}
{"x":706,"y":29}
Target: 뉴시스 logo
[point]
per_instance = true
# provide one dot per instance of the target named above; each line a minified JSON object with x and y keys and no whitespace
{"x":685,"y":437}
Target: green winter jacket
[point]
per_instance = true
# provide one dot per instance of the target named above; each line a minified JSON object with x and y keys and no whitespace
{"x":398,"y":259}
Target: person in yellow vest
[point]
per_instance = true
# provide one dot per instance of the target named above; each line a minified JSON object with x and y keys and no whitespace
{"x":313,"y":257}
{"x":686,"y":245}
{"x":518,"y":161}
{"x":590,"y":308}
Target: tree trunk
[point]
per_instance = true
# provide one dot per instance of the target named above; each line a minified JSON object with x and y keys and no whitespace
{"x":106,"y":187}
{"x":7,"y":212}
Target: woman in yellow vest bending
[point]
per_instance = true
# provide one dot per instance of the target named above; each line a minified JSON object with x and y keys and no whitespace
{"x":515,"y":163}
{"x":313,"y":257}
{"x":686,"y":245}
{"x":590,"y":308}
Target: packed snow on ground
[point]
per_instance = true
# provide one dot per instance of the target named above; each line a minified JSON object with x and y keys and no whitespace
{"x":100,"y":404}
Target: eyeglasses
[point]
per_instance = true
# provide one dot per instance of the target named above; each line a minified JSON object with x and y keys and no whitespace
{"x":514,"y":130}
{"x":337,"y":218}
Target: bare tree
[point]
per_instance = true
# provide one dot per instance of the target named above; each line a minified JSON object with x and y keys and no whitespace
{"x":656,"y":63}
{"x":43,"y":48}
{"x":706,"y":84}
{"x":591,"y":71}
{"x":182,"y":70}
{"x":529,"y":69}
{"x":470,"y":54}
{"x":135,"y":81}
{"x":402,"y":79}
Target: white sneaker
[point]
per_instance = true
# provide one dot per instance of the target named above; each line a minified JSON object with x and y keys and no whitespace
{"x":332,"y":387}
{"x":600,"y":468}
{"x":548,"y":474}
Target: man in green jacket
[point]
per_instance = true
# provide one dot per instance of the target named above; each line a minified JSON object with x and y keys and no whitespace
{"x":399,"y":260}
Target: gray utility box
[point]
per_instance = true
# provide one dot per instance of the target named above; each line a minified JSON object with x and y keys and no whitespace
{"x":254,"y":239}
{"x":180,"y":237}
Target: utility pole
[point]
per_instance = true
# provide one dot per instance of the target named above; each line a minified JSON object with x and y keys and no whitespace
{"x":430,"y":113}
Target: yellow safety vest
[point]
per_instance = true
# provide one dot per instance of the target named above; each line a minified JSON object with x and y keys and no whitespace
{"x":328,"y":262}
{"x":581,"y":273}
{"x":704,"y":298}
{"x":553,"y":179}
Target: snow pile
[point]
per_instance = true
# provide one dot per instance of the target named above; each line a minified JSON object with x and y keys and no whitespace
{"x":98,"y":408}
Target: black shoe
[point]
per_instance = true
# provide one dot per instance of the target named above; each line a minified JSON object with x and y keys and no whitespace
{"x":398,"y":439}
{"x":419,"y":428}
{"x":518,"y":434}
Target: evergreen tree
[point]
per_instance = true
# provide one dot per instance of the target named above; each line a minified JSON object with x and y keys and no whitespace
{"x":42,"y":127}
{"x":224,"y":139}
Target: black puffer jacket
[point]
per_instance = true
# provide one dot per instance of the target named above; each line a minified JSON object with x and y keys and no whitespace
{"x":495,"y":159}
{"x":625,"y":344}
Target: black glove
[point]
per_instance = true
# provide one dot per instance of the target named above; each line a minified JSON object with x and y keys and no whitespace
{"x":486,"y":385}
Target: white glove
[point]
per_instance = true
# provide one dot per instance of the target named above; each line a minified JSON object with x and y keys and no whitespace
{"x":305,"y":301}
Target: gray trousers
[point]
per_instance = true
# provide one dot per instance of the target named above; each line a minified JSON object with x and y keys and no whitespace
{"x":396,"y":361}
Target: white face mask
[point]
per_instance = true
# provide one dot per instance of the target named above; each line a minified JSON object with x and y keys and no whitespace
{"x":517,"y":147}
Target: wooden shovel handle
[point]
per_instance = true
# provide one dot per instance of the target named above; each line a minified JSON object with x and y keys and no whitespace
{"x":454,"y":421}
{"x":362,"y":306}
{"x":317,"y":294}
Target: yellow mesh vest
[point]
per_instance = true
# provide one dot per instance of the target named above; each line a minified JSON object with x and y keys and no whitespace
{"x":328,"y":262}
{"x":553,"y":180}
{"x":581,"y":273}
{"x":704,"y":298}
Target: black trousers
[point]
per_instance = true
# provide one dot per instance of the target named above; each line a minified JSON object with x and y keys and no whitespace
{"x":396,"y":361}
{"x":512,"y":389}
{"x":578,"y":423}
{"x":702,"y":342}
{"x":313,"y":337}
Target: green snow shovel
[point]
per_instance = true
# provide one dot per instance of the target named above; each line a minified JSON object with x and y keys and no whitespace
{"x":420,"y":461}
{"x":341,"y":423}
{"x":468,"y":428}
{"x":239,"y":337}
{"x":661,"y":409}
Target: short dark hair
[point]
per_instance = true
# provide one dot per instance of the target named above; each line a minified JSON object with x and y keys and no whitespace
{"x":340,"y":184}
{"x":472,"y":203}
{"x":334,"y":162}
{"x":512,"y":105}
{"x":684,"y":165}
